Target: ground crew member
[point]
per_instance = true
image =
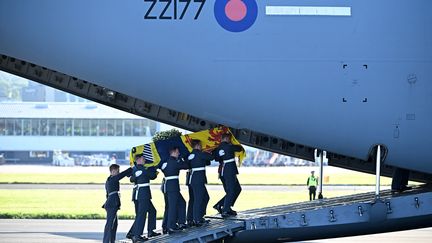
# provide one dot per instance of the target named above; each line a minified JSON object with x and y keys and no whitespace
{"x":112,"y":203}
{"x":225,"y":153}
{"x":171,"y":188}
{"x":143,"y":204}
{"x":198,"y":160}
{"x":312,"y":183}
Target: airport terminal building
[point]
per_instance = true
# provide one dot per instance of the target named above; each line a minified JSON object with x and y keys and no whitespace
{"x":33,"y":131}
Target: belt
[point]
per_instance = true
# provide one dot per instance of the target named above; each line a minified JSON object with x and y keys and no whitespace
{"x":226,"y":162}
{"x":193,"y":170}
{"x":167,"y":178}
{"x":138,"y":186}
{"x":198,"y":169}
{"x":229,"y":160}
{"x":114,"y":192}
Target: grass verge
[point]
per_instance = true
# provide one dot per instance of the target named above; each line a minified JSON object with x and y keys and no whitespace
{"x":86,"y":204}
{"x":351,"y":178}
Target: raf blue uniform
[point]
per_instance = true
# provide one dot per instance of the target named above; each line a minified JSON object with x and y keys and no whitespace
{"x":165,"y":216}
{"x":112,"y":204}
{"x":171,"y":188}
{"x":142,"y":199}
{"x":189,"y":214}
{"x":225,"y":154}
{"x":198,"y":160}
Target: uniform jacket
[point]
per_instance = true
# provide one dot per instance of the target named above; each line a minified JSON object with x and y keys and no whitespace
{"x":143,"y":175}
{"x":198,"y":159}
{"x":172,"y":167}
{"x":226,"y":151}
{"x":112,"y":184}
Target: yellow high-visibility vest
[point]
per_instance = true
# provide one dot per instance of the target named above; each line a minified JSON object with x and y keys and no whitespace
{"x":312,"y":181}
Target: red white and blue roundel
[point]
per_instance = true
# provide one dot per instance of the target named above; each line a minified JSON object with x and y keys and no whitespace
{"x":236,"y":15}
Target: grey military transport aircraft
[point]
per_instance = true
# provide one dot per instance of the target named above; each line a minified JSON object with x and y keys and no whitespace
{"x":349,"y":77}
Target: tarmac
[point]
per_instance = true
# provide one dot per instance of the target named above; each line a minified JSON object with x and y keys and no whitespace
{"x":68,"y":231}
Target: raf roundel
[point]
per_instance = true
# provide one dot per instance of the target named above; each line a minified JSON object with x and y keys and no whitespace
{"x":236,"y":15}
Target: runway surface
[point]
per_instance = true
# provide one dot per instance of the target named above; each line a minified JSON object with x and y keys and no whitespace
{"x":68,"y":231}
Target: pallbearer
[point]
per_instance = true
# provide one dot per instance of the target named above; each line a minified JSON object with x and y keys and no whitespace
{"x":225,"y":153}
{"x":176,"y":203}
{"x":189,"y":212}
{"x":198,"y":160}
{"x":112,"y":204}
{"x":142,"y":198}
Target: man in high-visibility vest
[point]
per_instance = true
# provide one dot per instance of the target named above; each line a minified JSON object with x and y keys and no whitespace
{"x":312,"y":183}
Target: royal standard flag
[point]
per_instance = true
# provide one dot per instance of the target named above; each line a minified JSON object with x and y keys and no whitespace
{"x":158,"y":151}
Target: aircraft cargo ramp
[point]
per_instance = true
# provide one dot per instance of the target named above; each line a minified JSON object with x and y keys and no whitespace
{"x":334,"y":217}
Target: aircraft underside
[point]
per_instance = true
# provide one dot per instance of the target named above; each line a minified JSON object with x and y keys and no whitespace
{"x":91,"y":91}
{"x":337,"y":217}
{"x":345,"y":77}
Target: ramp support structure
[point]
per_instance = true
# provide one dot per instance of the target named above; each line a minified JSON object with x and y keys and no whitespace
{"x":378,"y":172}
{"x":321,"y":173}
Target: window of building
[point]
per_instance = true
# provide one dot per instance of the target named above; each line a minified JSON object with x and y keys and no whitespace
{"x":77,"y":127}
{"x":127,"y":128}
{"x":18,"y":127}
{"x":85,"y":127}
{"x":68,"y":127}
{"x":2,"y":127}
{"x":52,"y":129}
{"x":35,"y":127}
{"x":102,"y":127}
{"x":77,"y":123}
{"x":60,"y":127}
{"x":27,"y":128}
{"x":94,"y":128}
{"x":43,"y":127}
{"x":10,"y":123}
{"x":153,"y":127}
{"x":137,"y":128}
{"x":119,"y":128}
{"x":110,"y":127}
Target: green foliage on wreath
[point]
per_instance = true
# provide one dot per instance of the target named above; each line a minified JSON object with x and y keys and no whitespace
{"x":164,"y":135}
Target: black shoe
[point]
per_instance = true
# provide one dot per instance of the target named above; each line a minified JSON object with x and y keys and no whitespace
{"x":202,"y":223}
{"x":232,"y":213}
{"x":182,"y":226}
{"x":190,"y":224}
{"x":226,"y":214}
{"x":164,"y":231}
{"x":406,"y":188}
{"x":218,"y":208}
{"x":153,"y":234}
{"x":129,"y":235}
{"x":173,"y":231}
{"x":138,"y":239}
